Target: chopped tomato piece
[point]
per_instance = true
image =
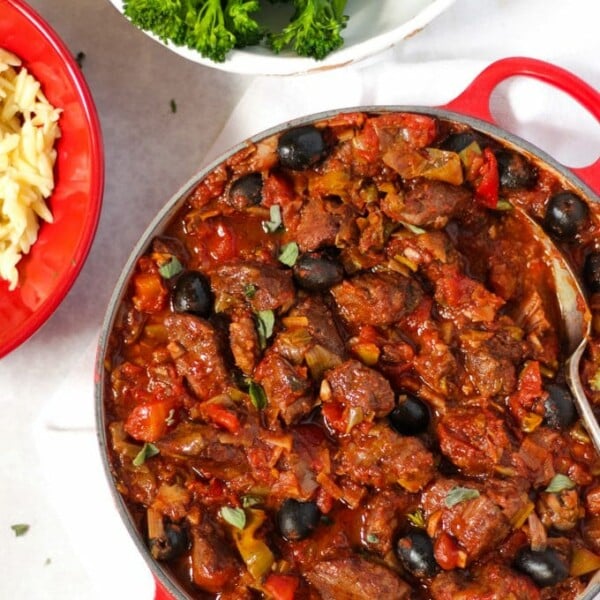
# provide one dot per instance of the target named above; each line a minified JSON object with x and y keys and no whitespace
{"x":148,"y":422}
{"x":281,"y":587}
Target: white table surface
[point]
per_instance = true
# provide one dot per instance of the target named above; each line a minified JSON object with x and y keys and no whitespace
{"x":150,"y":152}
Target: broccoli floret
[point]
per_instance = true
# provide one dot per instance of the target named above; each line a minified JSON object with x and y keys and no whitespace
{"x":315,"y":29}
{"x":207,"y":32}
{"x":163,"y":18}
{"x":246,"y":30}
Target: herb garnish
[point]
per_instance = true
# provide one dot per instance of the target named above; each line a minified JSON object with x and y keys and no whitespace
{"x":171,"y":268}
{"x":20,"y":529}
{"x":265,"y":321}
{"x":234,"y":516}
{"x":560,"y":483}
{"x":173,"y":106}
{"x":148,"y":451}
{"x":257,"y":394}
{"x":460,"y":494}
{"x":275,"y":221}
{"x":249,"y":501}
{"x":289,"y":254}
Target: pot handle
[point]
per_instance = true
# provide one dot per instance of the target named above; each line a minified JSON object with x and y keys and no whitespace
{"x":475,"y":99}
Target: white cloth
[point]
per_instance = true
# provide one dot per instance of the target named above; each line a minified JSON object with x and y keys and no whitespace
{"x":50,"y":467}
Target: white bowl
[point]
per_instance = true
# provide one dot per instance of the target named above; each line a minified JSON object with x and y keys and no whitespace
{"x":373,"y":26}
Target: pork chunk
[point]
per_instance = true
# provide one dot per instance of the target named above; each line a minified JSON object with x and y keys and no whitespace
{"x":356,"y":578}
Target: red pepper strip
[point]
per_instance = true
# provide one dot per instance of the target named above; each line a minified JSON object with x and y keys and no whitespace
{"x":222,"y":417}
{"x":487,"y":184}
{"x":281,"y":587}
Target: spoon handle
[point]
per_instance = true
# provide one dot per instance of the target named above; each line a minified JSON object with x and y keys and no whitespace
{"x":585,"y":410}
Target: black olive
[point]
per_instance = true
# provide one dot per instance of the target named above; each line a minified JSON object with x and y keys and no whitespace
{"x":410,"y":417}
{"x":458,"y":141}
{"x":516,"y":172}
{"x":545,"y":567}
{"x":559,"y":407}
{"x":415,"y":552}
{"x":297,"y":519}
{"x":172,"y":544}
{"x":566,"y":213}
{"x":246,"y":190}
{"x":316,"y":272}
{"x":301,"y":147}
{"x":591,"y":272}
{"x":192,"y":294}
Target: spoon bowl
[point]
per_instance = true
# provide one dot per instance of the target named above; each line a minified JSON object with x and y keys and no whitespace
{"x":575,"y":326}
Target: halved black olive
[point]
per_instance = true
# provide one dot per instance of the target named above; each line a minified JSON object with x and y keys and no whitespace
{"x":192,"y":294}
{"x":301,"y":147}
{"x":317,"y":272}
{"x":246,"y":190}
{"x":565,"y":214}
{"x":415,"y":552}
{"x":458,"y":141}
{"x":545,"y":567}
{"x":297,"y":519}
{"x":560,"y":411}
{"x":410,"y":417}
{"x":591,"y":272}
{"x":172,"y":543}
{"x":516,"y":172}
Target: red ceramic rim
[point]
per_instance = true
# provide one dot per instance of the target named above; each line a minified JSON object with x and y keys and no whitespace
{"x":50,"y":269}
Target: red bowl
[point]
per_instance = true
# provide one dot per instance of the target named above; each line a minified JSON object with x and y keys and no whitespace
{"x":47,"y":273}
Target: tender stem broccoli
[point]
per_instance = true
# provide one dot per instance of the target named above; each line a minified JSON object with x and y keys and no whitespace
{"x":207,"y":31}
{"x":212,"y":27}
{"x":247,"y":31}
{"x":314,"y":30}
{"x":164,"y":18}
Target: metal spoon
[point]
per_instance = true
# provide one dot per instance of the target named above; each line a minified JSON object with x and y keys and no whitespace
{"x":576,"y":322}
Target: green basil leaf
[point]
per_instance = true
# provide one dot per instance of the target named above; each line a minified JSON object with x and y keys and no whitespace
{"x":289,"y":254}
{"x":234,"y":516}
{"x":265,"y":321}
{"x":250,"y":290}
{"x":372,"y":538}
{"x":257,"y":394}
{"x":275,"y":221}
{"x":148,"y":451}
{"x":560,"y":483}
{"x":20,"y":529}
{"x":171,"y":268}
{"x":460,"y":494}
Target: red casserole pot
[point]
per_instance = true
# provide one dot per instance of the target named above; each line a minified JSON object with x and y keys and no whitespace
{"x":472,"y":108}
